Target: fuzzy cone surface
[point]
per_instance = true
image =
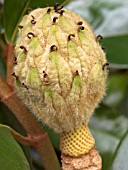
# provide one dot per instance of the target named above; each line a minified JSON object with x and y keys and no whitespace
{"x":59,"y":68}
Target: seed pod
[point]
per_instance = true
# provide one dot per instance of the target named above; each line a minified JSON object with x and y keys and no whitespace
{"x":66,"y":94}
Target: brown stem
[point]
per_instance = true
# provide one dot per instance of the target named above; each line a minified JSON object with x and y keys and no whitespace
{"x":38,"y":138}
{"x":89,"y":161}
{"x":10,"y":64}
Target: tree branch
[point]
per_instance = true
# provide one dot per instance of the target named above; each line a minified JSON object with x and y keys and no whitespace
{"x":10,"y":64}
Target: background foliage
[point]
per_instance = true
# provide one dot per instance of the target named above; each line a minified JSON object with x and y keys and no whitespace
{"x":109,"y":124}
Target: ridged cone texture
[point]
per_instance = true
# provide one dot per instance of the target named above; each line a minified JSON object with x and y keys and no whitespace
{"x":59,"y":68}
{"x":77,"y":142}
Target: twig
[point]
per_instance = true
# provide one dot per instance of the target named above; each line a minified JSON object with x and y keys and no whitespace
{"x":10,"y":64}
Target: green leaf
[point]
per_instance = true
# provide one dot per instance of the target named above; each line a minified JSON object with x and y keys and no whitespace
{"x":121,"y":155}
{"x":108,"y":128}
{"x":14,"y":11}
{"x":12,"y":156}
{"x":117,"y":92}
{"x":117,"y":50}
{"x":108,"y":18}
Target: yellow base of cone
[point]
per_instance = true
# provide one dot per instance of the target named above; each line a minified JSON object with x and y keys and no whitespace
{"x":77,"y":142}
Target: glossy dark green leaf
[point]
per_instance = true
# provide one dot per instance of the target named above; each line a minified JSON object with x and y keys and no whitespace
{"x":13,"y":12}
{"x":108,"y":128}
{"x":12,"y":156}
{"x":120,"y":161}
{"x":117,"y":91}
{"x":117,"y":50}
{"x":2,"y":66}
{"x":108,"y":18}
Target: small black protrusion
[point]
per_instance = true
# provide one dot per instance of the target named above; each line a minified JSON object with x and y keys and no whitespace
{"x":77,"y":73}
{"x":24,"y":86}
{"x":20,"y":26}
{"x":24,"y":48}
{"x":80,"y":28}
{"x":33,"y":20}
{"x":30,"y":35}
{"x":80,"y":23}
{"x":103,"y":47}
{"x":60,"y":7}
{"x":99,"y":37}
{"x":105,"y":65}
{"x":45,"y":74}
{"x":54,"y":19}
{"x":56,"y":7}
{"x":53,"y":48}
{"x":15,"y":60}
{"x":13,"y":74}
{"x":70,"y":35}
{"x":49,"y":10}
{"x":61,"y":12}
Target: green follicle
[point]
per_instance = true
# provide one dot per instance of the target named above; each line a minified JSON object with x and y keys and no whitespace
{"x":48,"y":91}
{"x":67,"y":25}
{"x":46,"y":20}
{"x":35,"y":46}
{"x":77,"y":82}
{"x":17,"y":83}
{"x":54,"y":57}
{"x":21,"y":58}
{"x":32,"y":78}
{"x":72,"y":49}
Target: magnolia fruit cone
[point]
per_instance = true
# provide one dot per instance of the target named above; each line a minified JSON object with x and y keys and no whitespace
{"x":60,"y":74}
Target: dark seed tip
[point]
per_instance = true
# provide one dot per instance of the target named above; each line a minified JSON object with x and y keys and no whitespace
{"x":61,"y":12}
{"x":80,"y":23}
{"x":49,"y":10}
{"x":99,"y":37}
{"x":77,"y":73}
{"x":70,"y":35}
{"x":20,"y":26}
{"x":80,"y":28}
{"x":30,"y":35}
{"x":53,"y":48}
{"x":54,"y":19}
{"x":103,"y":47}
{"x":105,"y":65}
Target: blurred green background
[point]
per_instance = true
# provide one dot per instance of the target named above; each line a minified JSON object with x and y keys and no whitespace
{"x":109,"y":124}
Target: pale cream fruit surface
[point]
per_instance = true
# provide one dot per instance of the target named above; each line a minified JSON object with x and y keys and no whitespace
{"x":59,"y":70}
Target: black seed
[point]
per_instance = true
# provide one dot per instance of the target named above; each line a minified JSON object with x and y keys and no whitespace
{"x":49,"y":10}
{"x":20,"y":26}
{"x":32,"y":17}
{"x":80,"y":23}
{"x":53,"y":48}
{"x":54,"y":19}
{"x":30,"y":35}
{"x":56,"y":7}
{"x":24,"y":86}
{"x":61,"y":12}
{"x":103,"y":47}
{"x":15,"y":60}
{"x":22,"y":47}
{"x":99,"y":37}
{"x":13,"y":74}
{"x":105,"y":65}
{"x":70,"y":35}
{"x":80,"y":28}
{"x":60,"y":8}
{"x":77,"y":73}
{"x":33,"y":22}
